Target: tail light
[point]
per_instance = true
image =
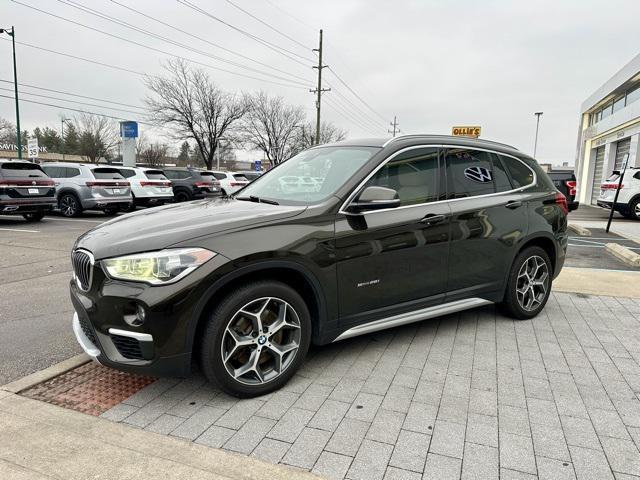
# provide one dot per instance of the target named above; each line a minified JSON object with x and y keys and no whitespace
{"x":203,"y":184}
{"x":610,"y":186}
{"x":216,"y":183}
{"x":238,"y":184}
{"x":155,"y":184}
{"x":107,"y":184}
{"x":27,"y":183}
{"x":571,"y":185}
{"x":561,"y":201}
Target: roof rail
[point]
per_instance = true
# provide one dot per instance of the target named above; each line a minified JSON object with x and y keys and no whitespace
{"x":402,"y":137}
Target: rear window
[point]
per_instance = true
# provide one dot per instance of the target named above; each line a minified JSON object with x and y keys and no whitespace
{"x":155,"y":175}
{"x":240,"y":178}
{"x":208,"y":174}
{"x":107,"y":174}
{"x":127,"y":173}
{"x":521,"y":175}
{"x":219,"y":176}
{"x":21,"y":170}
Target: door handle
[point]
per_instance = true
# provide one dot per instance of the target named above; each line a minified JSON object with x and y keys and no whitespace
{"x":432,"y":219}
{"x":513,"y":204}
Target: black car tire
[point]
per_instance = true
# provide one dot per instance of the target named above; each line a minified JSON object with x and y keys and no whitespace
{"x":634,"y":209}
{"x":110,"y":211}
{"x":182,"y":196}
{"x":511,"y":305}
{"x":211,"y":360}
{"x":33,"y":216}
{"x":69,"y":205}
{"x":223,"y":192}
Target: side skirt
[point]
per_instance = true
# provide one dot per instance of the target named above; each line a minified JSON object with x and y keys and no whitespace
{"x":414,"y":316}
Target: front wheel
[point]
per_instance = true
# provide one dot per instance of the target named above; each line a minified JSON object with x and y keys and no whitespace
{"x":256,"y":339}
{"x":634,"y":209}
{"x":529,"y":284}
{"x":69,"y":205}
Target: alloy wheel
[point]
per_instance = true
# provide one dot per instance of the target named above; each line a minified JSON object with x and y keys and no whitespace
{"x":68,"y":206}
{"x":532,"y":283}
{"x":261,"y":341}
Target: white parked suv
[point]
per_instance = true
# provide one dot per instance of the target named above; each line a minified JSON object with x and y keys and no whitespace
{"x":628,"y":203}
{"x":230,"y":182}
{"x":149,"y":186}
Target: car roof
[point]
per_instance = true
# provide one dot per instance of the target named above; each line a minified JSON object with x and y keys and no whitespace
{"x":408,"y":140}
{"x":10,"y":160}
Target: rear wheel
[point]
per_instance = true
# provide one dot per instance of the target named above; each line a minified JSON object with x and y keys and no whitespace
{"x":182,"y":196}
{"x":529,"y":284}
{"x":69,"y":205}
{"x":634,"y":209}
{"x":34,"y":216}
{"x":256,"y":339}
{"x":109,"y":211}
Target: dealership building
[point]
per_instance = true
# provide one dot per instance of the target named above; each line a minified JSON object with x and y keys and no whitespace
{"x":609,"y":130}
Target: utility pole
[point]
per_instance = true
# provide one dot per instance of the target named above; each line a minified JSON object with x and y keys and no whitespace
{"x":12,"y":34}
{"x":62,"y":120}
{"x":535,"y":143}
{"x":318,"y":90}
{"x":395,"y":126}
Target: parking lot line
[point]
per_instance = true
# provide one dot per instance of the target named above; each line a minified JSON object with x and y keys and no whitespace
{"x":19,"y":230}
{"x":75,"y":220}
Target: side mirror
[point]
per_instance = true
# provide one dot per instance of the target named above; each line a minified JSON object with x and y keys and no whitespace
{"x":375,"y":198}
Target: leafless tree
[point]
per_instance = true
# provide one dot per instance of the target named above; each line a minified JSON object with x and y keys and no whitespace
{"x":328,"y":133}
{"x":154,"y":153}
{"x":271,"y":126}
{"x":187,"y":101}
{"x":97,"y":136}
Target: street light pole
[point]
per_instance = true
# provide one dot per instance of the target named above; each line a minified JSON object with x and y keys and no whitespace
{"x":535,"y":143}
{"x":62,"y":120}
{"x":11,"y":33}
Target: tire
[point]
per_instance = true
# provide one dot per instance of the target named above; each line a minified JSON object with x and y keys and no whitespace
{"x":69,"y":205}
{"x":634,"y":209}
{"x":517,"y":304}
{"x":110,"y":211}
{"x":223,"y":192}
{"x":132,"y":206}
{"x":182,"y":196}
{"x":218,"y":342}
{"x":34,"y":216}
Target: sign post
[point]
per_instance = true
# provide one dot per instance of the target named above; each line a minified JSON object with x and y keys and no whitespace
{"x":129,"y":133}
{"x":32,"y":148}
{"x":615,"y":198}
{"x":472,"y":131}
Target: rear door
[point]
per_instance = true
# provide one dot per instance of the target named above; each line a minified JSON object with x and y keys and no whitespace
{"x":488,"y":217}
{"x":395,"y":260}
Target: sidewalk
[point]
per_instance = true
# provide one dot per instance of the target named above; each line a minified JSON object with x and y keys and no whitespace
{"x":42,"y":441}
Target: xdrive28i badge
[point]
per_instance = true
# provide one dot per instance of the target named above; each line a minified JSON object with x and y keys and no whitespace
{"x":478,"y":174}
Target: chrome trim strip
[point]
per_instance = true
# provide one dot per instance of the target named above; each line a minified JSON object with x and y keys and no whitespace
{"x":415,"y":316}
{"x":142,"y":337}
{"x":86,"y":344}
{"x":413,"y":147}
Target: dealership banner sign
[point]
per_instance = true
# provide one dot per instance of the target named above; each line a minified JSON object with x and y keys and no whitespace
{"x":468,"y":131}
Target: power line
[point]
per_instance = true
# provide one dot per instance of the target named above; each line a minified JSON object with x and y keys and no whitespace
{"x":291,"y":15}
{"x":110,"y":18}
{"x":268,"y":25}
{"x":358,"y":111}
{"x":157,"y":49}
{"x":355,"y":94}
{"x":71,"y":109}
{"x":72,"y":94}
{"x":395,"y":125}
{"x":272,"y":46}
{"x":22,"y":92}
{"x":206,"y":41}
{"x":340,"y":110}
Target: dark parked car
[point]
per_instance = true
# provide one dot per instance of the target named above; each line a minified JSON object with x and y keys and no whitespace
{"x":191,"y":183}
{"x":565,"y":182}
{"x":25,"y":190}
{"x":396,"y":231}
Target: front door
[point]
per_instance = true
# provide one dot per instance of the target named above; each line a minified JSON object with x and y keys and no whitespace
{"x":395,"y":260}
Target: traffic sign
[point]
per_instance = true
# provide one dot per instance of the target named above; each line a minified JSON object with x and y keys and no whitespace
{"x":258,"y":165}
{"x":32,"y":148}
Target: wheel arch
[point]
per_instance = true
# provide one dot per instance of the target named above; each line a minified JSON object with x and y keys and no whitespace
{"x":546,"y":242}
{"x":290,"y":273}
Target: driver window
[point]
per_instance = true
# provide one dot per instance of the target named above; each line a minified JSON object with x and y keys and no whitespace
{"x":413,"y":174}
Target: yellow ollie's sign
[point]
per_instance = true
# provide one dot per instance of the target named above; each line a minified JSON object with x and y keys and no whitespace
{"x":473,"y":131}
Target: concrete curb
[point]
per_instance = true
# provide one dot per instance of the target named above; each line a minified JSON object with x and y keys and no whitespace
{"x":46,"y":374}
{"x":623,"y":254}
{"x":580,"y":230}
{"x":592,"y":281}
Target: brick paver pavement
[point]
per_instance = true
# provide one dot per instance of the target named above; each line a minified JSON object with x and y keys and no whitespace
{"x":472,"y":395}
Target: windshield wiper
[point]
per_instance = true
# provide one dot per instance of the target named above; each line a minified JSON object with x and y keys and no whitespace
{"x":253,"y":198}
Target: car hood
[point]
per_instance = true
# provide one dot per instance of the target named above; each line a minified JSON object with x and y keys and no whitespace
{"x":161,"y":227}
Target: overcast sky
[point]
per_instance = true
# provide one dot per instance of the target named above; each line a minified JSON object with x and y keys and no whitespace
{"x":433,"y":63}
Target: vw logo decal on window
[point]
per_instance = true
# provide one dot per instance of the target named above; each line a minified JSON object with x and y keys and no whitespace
{"x":478,"y":174}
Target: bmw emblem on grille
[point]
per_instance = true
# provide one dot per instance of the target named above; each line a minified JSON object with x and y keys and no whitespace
{"x":478,"y":174}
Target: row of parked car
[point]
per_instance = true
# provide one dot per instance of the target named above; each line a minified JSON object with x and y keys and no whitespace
{"x":32,"y":190}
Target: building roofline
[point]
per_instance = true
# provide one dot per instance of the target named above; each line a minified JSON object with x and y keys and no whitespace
{"x":622,"y":76}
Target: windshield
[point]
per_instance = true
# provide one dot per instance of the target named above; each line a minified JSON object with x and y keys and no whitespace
{"x":331,"y":167}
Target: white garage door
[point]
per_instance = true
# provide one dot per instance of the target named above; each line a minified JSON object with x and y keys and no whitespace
{"x":597,"y":174}
{"x":622,"y":148}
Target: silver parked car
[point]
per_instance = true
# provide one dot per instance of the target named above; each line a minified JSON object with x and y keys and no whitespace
{"x":81,"y":186}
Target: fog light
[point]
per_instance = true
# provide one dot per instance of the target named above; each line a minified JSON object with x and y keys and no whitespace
{"x":135,"y":319}
{"x":141,"y":313}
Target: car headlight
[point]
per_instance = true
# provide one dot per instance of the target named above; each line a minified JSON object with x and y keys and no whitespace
{"x":157,"y":268}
